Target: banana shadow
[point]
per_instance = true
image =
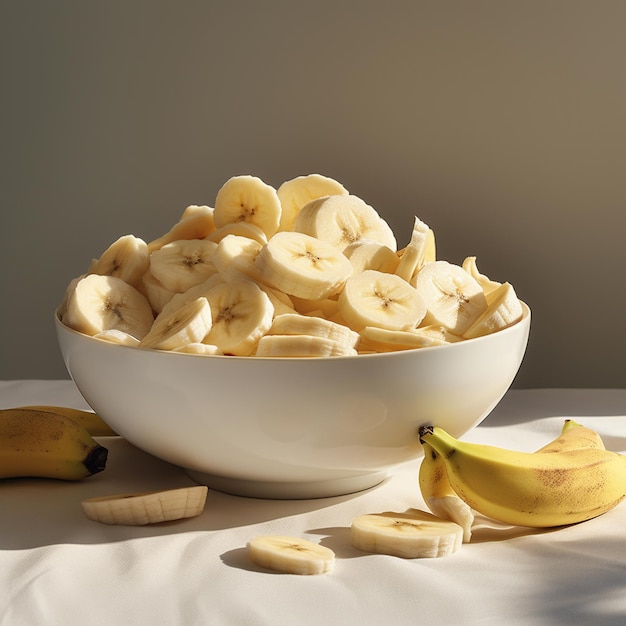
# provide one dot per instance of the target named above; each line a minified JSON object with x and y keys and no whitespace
{"x":37,"y":512}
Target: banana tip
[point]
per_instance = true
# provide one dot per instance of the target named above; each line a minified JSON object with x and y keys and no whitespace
{"x":425,"y":430}
{"x":96,"y":459}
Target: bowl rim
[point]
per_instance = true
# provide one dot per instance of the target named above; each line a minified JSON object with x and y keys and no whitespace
{"x":526,"y":317}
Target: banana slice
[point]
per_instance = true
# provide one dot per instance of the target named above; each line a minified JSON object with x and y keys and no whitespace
{"x":158,"y":296}
{"x":297,"y":192}
{"x":200,"y":348}
{"x":236,"y":255}
{"x":342,"y":220}
{"x":302,"y":346}
{"x":453,"y":298}
{"x":297,"y":324}
{"x":126,"y":258}
{"x":419,"y":251}
{"x":303,"y":266}
{"x":241,"y":229}
{"x":374,"y":298}
{"x":503,"y":310}
{"x":151,"y":507}
{"x":385,"y":340}
{"x":187,"y":324}
{"x":248,"y":199}
{"x":488,"y":285}
{"x":100,"y":303}
{"x":196,"y":222}
{"x":417,"y":534}
{"x":281,"y":302}
{"x":242,"y":313}
{"x":182,"y":264}
{"x":290,"y":555}
{"x":119,"y":337}
{"x":326,"y":306}
{"x":366,"y":254}
{"x":193,"y":293}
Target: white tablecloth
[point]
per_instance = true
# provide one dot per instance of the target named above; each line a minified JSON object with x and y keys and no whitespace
{"x":59,"y":568}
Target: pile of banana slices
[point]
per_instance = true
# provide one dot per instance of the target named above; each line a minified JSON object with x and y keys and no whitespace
{"x":304,"y":270}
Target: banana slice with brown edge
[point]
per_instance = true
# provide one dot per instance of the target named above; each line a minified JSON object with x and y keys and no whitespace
{"x":290,"y":555}
{"x":150,"y":507}
{"x":410,"y":535}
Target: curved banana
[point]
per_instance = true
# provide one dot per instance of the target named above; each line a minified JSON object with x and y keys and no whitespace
{"x":438,"y":494}
{"x":90,"y":421}
{"x":47,"y":445}
{"x":530,"y":489}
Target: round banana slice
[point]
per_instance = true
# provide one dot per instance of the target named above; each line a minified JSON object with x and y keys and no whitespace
{"x":299,"y":191}
{"x":411,"y":535}
{"x":100,"y":303}
{"x":302,"y":346}
{"x":151,"y":507}
{"x":126,"y":258}
{"x":342,"y":220}
{"x":182,"y":264}
{"x":187,"y":324}
{"x":248,"y":199}
{"x":242,"y":313}
{"x":303,"y":266}
{"x":453,"y":298}
{"x":290,"y":555}
{"x":374,"y":298}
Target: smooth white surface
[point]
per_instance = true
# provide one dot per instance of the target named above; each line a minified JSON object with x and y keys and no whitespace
{"x":59,"y":568}
{"x":274,"y":427}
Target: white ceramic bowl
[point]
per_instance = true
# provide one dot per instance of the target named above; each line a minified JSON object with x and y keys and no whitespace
{"x":291,"y":428}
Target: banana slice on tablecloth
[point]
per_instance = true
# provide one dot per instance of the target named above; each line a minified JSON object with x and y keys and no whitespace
{"x":290,"y":555}
{"x":411,"y":535}
{"x":151,"y":507}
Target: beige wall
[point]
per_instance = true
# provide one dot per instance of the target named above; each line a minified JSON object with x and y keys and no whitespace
{"x":501,"y":124}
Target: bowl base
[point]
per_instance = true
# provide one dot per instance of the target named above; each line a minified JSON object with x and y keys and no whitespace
{"x":288,"y":490}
